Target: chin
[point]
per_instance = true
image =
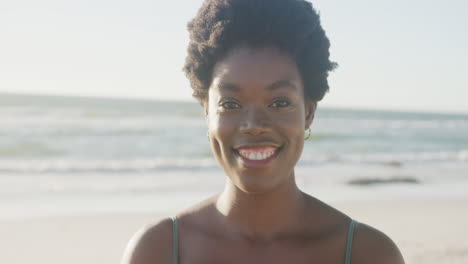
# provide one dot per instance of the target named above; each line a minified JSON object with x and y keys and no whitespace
{"x":256,"y":184}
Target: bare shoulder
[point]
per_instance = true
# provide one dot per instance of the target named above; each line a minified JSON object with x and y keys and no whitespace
{"x":373,"y":246}
{"x":151,"y":244}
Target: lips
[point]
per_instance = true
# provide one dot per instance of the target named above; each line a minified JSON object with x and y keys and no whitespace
{"x":257,"y":156}
{"x":259,"y":153}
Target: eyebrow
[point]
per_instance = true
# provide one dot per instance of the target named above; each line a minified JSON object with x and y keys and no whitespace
{"x":271,"y":87}
{"x":228,"y":86}
{"x":281,"y":84}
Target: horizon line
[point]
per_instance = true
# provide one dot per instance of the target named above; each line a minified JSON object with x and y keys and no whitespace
{"x":193,"y":100}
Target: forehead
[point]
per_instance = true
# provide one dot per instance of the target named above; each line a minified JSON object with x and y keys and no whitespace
{"x":248,"y":67}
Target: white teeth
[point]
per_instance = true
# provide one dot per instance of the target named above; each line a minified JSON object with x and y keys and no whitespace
{"x":259,"y":156}
{"x":256,"y":156}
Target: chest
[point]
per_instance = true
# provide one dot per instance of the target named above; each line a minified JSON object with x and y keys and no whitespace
{"x":217,"y":251}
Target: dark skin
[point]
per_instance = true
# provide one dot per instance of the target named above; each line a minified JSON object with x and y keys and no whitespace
{"x":257,"y":100}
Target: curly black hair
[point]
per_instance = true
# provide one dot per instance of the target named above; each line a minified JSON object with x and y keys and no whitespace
{"x":293,"y":26}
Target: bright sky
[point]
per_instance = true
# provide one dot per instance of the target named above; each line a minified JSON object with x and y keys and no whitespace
{"x":400,"y":54}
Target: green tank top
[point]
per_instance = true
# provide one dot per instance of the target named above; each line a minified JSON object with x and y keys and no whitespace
{"x":175,"y":242}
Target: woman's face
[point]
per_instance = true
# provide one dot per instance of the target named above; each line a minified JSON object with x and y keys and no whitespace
{"x":257,"y":113}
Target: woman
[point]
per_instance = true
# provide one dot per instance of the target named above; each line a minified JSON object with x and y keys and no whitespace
{"x":259,"y":67}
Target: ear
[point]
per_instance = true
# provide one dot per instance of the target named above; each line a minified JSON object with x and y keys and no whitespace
{"x":310,"y":107}
{"x":205,"y":110}
{"x":204,"y":103}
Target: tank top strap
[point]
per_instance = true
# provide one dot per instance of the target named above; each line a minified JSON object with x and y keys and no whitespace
{"x":175,"y":242}
{"x":349,"y":241}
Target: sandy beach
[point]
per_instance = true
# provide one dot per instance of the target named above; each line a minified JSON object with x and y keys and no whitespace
{"x":426,"y":231}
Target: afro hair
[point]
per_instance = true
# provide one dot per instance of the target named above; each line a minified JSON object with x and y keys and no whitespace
{"x":293,"y":26}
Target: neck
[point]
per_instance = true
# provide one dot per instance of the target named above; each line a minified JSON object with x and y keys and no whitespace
{"x":262,"y":216}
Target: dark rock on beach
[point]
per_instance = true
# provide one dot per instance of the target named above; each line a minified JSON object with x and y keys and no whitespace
{"x":392,"y":180}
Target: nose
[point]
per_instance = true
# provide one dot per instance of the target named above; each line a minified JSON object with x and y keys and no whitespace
{"x":254,"y":121}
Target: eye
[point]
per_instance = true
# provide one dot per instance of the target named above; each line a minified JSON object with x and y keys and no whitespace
{"x":280,"y":103}
{"x":229,"y":105}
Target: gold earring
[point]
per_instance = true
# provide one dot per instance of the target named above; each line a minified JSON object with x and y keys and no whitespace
{"x":308,"y":134}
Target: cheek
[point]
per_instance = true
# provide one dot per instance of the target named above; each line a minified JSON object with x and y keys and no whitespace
{"x":293,"y":125}
{"x":295,"y":135}
{"x":221,"y":133}
{"x":292,"y":128}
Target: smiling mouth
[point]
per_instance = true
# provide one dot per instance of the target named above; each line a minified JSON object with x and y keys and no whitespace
{"x":260,"y":153}
{"x":257,"y":157}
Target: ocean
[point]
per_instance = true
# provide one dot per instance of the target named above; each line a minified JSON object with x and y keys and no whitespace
{"x":75,"y":155}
